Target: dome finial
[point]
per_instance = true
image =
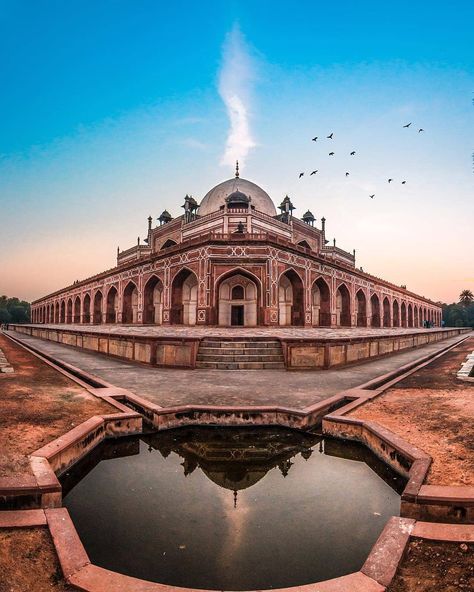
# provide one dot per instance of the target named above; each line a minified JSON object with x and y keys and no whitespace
{"x":236,"y":169}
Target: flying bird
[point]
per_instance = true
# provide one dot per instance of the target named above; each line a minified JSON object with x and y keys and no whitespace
{"x":313,"y":173}
{"x":407,"y":125}
{"x":372,"y":196}
{"x":314,"y":139}
{"x":331,"y":154}
{"x":301,"y":174}
{"x":403,"y":182}
{"x":352,"y":153}
{"x":347,"y":174}
{"x":421,"y":130}
{"x":330,"y":136}
{"x":390,"y":180}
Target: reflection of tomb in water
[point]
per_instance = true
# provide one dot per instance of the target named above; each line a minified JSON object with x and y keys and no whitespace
{"x":234,"y":459}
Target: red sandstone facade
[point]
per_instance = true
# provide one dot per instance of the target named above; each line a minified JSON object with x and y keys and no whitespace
{"x":234,"y":261}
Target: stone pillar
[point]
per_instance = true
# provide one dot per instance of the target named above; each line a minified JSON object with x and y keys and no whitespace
{"x":203,"y":295}
{"x":333,"y":301}
{"x":166,"y":320}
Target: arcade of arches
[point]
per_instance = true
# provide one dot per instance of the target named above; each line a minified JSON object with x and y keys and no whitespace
{"x":238,"y":301}
{"x":232,"y":260}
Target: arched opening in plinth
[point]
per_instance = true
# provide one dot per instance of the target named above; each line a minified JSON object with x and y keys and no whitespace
{"x":86,"y":309}
{"x":361,"y":309}
{"x":404,"y":314}
{"x":69,"y":311}
{"x":321,"y":304}
{"x":97,"y":310}
{"x":153,"y":301}
{"x":375,"y":320}
{"x":77,"y":310}
{"x":410,"y":315}
{"x":238,"y":295}
{"x":343,"y":306}
{"x":130,"y":304}
{"x":396,"y":314}
{"x":290,"y":299}
{"x":112,"y":305}
{"x":184,"y":296}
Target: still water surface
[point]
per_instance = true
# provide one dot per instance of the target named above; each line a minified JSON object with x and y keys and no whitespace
{"x":230,"y":509}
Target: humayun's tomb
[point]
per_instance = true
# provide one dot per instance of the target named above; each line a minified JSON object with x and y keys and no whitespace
{"x":233,"y":260}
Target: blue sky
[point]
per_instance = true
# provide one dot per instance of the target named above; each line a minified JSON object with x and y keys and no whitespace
{"x":111,"y":111}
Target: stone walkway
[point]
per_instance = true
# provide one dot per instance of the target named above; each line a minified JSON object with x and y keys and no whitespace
{"x":275,"y":332}
{"x":168,"y":387}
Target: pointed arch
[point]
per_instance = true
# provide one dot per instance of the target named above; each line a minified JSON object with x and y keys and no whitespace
{"x":375,"y":317}
{"x":361,"y":302}
{"x":321,"y":303}
{"x":86,"y":308}
{"x":77,"y":310}
{"x":238,"y":295}
{"x":415,"y":316}
{"x":69,"y":311}
{"x":396,"y":313}
{"x":290,"y":298}
{"x":112,"y":305}
{"x":403,"y":315}
{"x":130,"y":303}
{"x":184,"y":296}
{"x":97,"y":308}
{"x":410,"y":315}
{"x":343,"y":306}
{"x":153,"y":301}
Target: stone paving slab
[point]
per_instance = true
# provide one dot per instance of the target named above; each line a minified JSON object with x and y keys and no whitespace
{"x":199,"y":332}
{"x":172,"y":387}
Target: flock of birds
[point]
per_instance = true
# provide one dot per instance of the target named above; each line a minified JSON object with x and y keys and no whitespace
{"x":353,"y":153}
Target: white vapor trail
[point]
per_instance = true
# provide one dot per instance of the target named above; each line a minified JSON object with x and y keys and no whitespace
{"x":235,"y":81}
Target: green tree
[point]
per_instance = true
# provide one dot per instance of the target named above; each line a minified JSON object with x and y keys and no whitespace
{"x":13,"y":310}
{"x":466,"y":298}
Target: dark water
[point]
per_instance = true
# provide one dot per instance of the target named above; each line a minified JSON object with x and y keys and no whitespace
{"x":230,"y":509}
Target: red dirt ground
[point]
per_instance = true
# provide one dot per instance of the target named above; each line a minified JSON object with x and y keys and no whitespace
{"x":38,"y":404}
{"x":430,"y":566}
{"x":434,"y":411}
{"x":28,"y":562}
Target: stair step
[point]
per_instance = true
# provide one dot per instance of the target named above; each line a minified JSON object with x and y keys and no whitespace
{"x":242,"y":365}
{"x":239,"y":358}
{"x":241,"y":354}
{"x":239,"y":344}
{"x":227,"y":351}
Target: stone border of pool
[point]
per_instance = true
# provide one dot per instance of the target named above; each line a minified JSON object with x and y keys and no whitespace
{"x":374,"y":576}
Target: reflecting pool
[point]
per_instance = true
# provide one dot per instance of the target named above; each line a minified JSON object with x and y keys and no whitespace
{"x":233,"y":509}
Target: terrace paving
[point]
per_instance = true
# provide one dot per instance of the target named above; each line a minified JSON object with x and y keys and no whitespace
{"x":181,"y":331}
{"x":170,"y":387}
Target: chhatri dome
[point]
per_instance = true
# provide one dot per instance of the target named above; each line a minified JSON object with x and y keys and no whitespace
{"x":237,"y":189}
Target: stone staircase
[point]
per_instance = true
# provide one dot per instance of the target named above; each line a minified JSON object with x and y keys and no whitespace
{"x":242,"y":354}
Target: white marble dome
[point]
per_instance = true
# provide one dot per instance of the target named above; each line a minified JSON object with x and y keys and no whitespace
{"x":215,"y":198}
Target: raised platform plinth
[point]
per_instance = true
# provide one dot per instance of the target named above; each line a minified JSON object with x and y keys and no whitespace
{"x":303,"y":349}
